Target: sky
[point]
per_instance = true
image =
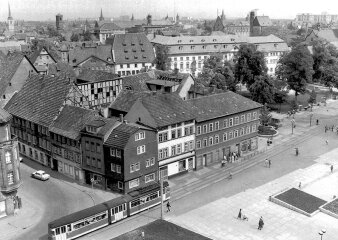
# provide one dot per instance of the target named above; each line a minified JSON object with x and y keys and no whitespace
{"x":72,"y":9}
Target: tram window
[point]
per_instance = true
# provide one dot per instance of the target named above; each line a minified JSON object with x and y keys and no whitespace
{"x":63,"y":229}
{"x":116,"y":210}
{"x":112,"y":211}
{"x":69,"y":228}
{"x":135,"y":203}
{"x":120,"y":208}
{"x":57,"y":231}
{"x":124,"y":207}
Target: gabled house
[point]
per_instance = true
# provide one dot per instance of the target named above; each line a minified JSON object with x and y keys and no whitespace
{"x":105,"y":30}
{"x":15,"y":69}
{"x":41,"y":58}
{"x":174,"y":122}
{"x":130,"y":155}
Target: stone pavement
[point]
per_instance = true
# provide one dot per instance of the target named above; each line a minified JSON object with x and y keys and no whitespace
{"x":217,"y":219}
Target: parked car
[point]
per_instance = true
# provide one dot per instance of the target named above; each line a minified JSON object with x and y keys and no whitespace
{"x":41,"y":175}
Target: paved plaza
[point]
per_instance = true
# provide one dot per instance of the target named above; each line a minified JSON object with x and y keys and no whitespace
{"x":217,"y":219}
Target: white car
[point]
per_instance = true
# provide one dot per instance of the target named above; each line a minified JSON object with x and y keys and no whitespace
{"x":40,"y":175}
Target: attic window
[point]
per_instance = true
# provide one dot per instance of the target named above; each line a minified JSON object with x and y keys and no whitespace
{"x":109,"y":59}
{"x":127,"y":57}
{"x":125,"y":50}
{"x":202,"y":40}
{"x":140,"y":43}
{"x":276,"y":44}
{"x":124,"y":44}
{"x":74,"y":60}
{"x":135,"y":57}
{"x":142,"y":49}
{"x":91,"y":129}
{"x":134,"y":50}
{"x":214,"y":40}
{"x":232,"y":39}
{"x":144,"y":56}
{"x":191,"y":40}
{"x":9,"y":84}
{"x":179,"y":41}
{"x":133,"y":44}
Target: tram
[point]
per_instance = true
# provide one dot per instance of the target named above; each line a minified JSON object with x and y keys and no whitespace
{"x":90,"y":219}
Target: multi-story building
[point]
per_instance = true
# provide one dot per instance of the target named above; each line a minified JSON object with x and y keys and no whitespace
{"x":188,"y":53}
{"x":317,"y":18}
{"x":41,"y":58}
{"x":65,"y":140}
{"x":132,"y":52}
{"x":130,"y":155}
{"x":175,"y":125}
{"x":225,"y":123}
{"x":10,"y":179}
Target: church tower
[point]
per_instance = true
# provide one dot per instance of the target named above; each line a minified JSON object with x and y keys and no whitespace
{"x":10,"y":20}
{"x":10,"y":179}
{"x":101,"y":18}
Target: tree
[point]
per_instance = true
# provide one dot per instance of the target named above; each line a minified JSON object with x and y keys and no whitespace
{"x":87,"y":36}
{"x":162,"y":61}
{"x":262,"y":90}
{"x":250,"y":63}
{"x":280,"y":97}
{"x":265,"y":116}
{"x":193,"y":67}
{"x":313,"y":97}
{"x":52,"y":32}
{"x":296,"y":68}
{"x":75,"y":37}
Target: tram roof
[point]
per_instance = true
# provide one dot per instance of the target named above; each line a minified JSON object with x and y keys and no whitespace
{"x":88,"y":212}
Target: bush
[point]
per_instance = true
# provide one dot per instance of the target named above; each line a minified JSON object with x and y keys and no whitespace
{"x":266,"y":130}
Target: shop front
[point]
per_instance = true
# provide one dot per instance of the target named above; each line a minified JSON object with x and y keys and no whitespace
{"x":177,"y":165}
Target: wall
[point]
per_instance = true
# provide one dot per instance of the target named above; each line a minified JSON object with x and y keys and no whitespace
{"x":131,"y":69}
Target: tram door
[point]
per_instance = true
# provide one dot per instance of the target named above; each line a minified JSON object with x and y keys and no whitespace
{"x":117,"y":212}
{"x":60,"y":233}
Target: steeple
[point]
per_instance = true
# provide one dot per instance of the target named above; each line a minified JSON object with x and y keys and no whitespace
{"x":101,"y":18}
{"x":223,"y":16}
{"x":9,"y":13}
{"x":132,"y":17}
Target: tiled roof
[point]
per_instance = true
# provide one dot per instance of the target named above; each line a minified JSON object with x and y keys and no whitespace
{"x":126,"y":99}
{"x":120,"y":135}
{"x":262,"y":21}
{"x":194,"y":40}
{"x":219,"y":105}
{"x":37,"y":52}
{"x":4,"y":116}
{"x":40,"y":99}
{"x":330,"y":35}
{"x":89,"y":75}
{"x":78,"y":55}
{"x":181,"y":78}
{"x":265,"y":39}
{"x":110,"y":26}
{"x":132,"y":48}
{"x":137,"y":82}
{"x":166,"y":109}
{"x":61,"y":68}
{"x":71,"y":121}
{"x":129,"y":24}
{"x":8,"y":66}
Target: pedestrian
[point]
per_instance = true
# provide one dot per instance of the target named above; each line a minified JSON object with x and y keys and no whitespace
{"x":300,"y":185}
{"x":325,"y":128}
{"x":239,"y":214}
{"x":266,"y":162}
{"x":332,"y":128}
{"x":260,"y":223}
{"x":327,"y":142}
{"x":317,"y":121}
{"x":331,"y":168}
{"x":296,"y":151}
{"x":269,"y":163}
{"x":168,"y":206}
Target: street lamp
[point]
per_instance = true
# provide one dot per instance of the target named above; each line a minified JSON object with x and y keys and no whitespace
{"x":293,"y":124}
{"x":321,"y":233}
{"x":311,"y":115}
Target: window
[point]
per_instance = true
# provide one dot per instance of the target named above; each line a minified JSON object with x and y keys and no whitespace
{"x":148,"y":163}
{"x":173,"y":150}
{"x":254,"y":128}
{"x":152,"y":161}
{"x":88,"y":160}
{"x":112,"y":152}
{"x":242,"y":118}
{"x":121,"y":66}
{"x":230,"y":135}
{"x":186,"y":147}
{"x":216,"y":139}
{"x":113,"y":167}
{"x":198,"y":144}
{"x":128,"y":65}
{"x":98,"y":163}
{"x":8,"y":157}
{"x":10,"y":178}
{"x":205,"y":142}
{"x":141,"y":149}
{"x":204,"y":128}
{"x":136,"y":65}
{"x":173,"y":134}
{"x":118,"y":168}
{"x":236,"y":120}
{"x":248,"y":117}
{"x":186,"y":131}
{"x":162,"y":137}
{"x":163,"y":153}
{"x":139,"y":136}
{"x":179,"y":132}
{"x":92,"y":147}
{"x":254,"y":115}
{"x":211,"y":141}
{"x":150,"y":177}
{"x":93,"y":162}
{"x":98,"y":148}
{"x":87,"y":146}
{"x":235,"y":133}
{"x":198,"y":130}
{"x":225,"y":137}
{"x":179,"y":148}
{"x":225,"y":123}
{"x":134,"y":183}
{"x":211,"y":127}
{"x":231,"y":122}
{"x":118,"y":153}
{"x":247,"y":129}
{"x":216,"y":126}
{"x":120,"y":185}
{"x":241,"y":132}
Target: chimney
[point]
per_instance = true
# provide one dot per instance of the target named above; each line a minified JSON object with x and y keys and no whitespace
{"x":252,"y":17}
{"x":121,"y":118}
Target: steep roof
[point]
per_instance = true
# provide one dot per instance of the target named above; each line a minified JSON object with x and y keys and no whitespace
{"x":61,"y":68}
{"x":166,"y":109}
{"x":78,"y":55}
{"x":89,"y":75}
{"x":37,"y":52}
{"x":219,"y":105}
{"x":120,"y":135}
{"x":126,"y":99}
{"x":263,"y":21}
{"x":8,"y":66}
{"x":71,"y":121}
{"x":40,"y":99}
{"x":330,"y":35}
{"x":132,"y":48}
{"x":105,"y":125}
{"x":137,"y":82}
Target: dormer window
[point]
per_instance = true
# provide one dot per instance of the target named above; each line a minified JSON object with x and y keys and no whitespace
{"x":91,"y":129}
{"x":276,"y":44}
{"x":179,"y":41}
{"x":214,"y":40}
{"x":191,"y":40}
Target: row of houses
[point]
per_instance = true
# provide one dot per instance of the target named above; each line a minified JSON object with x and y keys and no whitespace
{"x":145,"y":135}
